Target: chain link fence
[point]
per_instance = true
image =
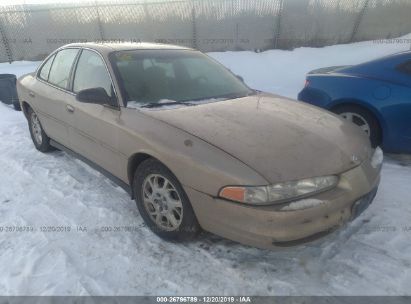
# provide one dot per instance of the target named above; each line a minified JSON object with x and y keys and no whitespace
{"x":30,"y":32}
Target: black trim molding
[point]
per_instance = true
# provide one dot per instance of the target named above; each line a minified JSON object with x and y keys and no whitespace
{"x":103,"y":171}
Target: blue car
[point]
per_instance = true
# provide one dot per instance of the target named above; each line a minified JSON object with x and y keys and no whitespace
{"x":375,"y":95}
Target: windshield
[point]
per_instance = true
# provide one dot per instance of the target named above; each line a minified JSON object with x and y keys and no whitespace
{"x":149,"y":77}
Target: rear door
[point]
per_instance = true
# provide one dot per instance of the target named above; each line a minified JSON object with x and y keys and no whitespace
{"x":96,"y":126}
{"x":49,"y":96}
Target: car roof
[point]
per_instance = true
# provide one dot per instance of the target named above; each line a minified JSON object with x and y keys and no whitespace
{"x":108,"y":47}
{"x":374,"y":66}
{"x":400,"y":55}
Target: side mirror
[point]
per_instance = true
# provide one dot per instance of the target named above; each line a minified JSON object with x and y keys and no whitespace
{"x":239,"y":77}
{"x":94,"y":95}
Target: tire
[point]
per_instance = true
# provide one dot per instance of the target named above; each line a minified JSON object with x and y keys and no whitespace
{"x":166,"y":209}
{"x":40,"y":139}
{"x":359,"y":116}
{"x":16,"y":105}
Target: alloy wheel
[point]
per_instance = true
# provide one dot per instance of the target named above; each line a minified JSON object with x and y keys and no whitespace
{"x":36,"y":128}
{"x":162,"y":202}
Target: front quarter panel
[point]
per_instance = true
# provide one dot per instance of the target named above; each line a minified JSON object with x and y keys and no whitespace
{"x":196,"y":163}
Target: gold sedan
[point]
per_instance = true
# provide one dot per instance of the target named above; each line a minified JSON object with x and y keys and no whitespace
{"x":196,"y":148}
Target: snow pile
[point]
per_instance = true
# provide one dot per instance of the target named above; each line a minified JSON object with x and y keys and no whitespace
{"x":303,"y":204}
{"x":377,"y":158}
{"x":19,"y":68}
{"x":67,"y":230}
{"x":283,"y":72}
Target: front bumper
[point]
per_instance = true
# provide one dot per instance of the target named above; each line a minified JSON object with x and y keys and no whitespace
{"x":270,"y":226}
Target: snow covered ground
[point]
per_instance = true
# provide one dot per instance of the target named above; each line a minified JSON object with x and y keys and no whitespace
{"x":109,"y":251}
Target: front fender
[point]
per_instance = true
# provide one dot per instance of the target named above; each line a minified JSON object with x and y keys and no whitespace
{"x":196,"y":163}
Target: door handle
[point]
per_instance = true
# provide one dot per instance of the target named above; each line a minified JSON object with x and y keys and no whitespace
{"x":32,"y":94}
{"x":69,"y":108}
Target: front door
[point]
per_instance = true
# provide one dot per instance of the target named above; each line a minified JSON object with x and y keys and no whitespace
{"x":96,"y":126}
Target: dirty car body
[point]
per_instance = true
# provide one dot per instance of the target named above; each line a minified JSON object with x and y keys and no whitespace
{"x":252,"y":167}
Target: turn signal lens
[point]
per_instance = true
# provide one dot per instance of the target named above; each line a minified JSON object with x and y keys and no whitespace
{"x":249,"y":195}
{"x":236,"y":194}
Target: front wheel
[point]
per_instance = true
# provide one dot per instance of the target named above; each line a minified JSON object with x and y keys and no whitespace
{"x":40,"y":139}
{"x":162,"y":202}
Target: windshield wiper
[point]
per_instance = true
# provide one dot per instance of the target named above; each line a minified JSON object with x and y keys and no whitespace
{"x":193,"y":102}
{"x":160,"y":104}
{"x":251,"y":93}
{"x":227,"y":96}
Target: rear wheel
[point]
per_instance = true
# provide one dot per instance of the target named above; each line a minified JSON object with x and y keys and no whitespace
{"x":162,"y":202}
{"x":40,"y":139}
{"x":364,"y":119}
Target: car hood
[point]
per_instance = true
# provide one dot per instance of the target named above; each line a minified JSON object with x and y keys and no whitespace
{"x":281,"y":139}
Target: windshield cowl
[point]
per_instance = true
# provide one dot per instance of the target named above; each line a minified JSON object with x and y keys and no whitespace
{"x":166,"y":103}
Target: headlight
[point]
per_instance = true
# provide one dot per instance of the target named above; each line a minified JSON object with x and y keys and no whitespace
{"x":278,"y":193}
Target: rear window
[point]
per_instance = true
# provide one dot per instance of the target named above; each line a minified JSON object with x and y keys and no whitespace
{"x":45,"y":69}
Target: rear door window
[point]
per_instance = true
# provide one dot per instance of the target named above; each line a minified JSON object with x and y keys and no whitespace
{"x":60,"y":70}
